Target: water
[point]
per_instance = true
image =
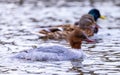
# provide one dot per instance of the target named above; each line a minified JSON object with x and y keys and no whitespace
{"x":18,"y":31}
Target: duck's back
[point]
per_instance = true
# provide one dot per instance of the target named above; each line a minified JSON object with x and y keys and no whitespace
{"x":50,"y":53}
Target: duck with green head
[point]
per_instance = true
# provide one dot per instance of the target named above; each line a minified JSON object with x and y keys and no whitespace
{"x":95,"y":13}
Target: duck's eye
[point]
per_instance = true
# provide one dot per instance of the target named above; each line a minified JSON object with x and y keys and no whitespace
{"x":82,"y":36}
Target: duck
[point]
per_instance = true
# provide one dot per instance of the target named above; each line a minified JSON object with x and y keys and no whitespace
{"x":86,"y":24}
{"x":56,"y":52}
{"x":57,"y":32}
{"x":94,"y":14}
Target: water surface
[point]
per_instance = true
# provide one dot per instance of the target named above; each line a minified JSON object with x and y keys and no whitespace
{"x":18,"y":31}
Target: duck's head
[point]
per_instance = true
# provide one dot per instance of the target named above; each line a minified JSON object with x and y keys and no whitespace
{"x":96,"y":14}
{"x":76,"y":37}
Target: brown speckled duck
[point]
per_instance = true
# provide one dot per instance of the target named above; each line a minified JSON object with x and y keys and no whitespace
{"x":86,"y":24}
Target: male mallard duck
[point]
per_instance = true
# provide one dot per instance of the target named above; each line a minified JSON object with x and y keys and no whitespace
{"x":96,"y":14}
{"x":56,"y":52}
{"x":87,"y":22}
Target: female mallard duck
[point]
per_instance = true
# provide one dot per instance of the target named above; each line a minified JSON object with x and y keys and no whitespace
{"x":86,"y":24}
{"x":57,"y":52}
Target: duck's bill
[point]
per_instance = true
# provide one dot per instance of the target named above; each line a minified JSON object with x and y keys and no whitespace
{"x":97,"y":26}
{"x":102,"y":17}
{"x":89,"y":40}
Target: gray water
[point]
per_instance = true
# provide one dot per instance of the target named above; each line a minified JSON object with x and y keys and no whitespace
{"x":18,"y":31}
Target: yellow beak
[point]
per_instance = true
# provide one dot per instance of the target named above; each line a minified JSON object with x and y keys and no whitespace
{"x":102,"y":17}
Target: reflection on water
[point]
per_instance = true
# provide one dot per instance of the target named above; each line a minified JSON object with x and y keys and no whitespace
{"x":18,"y":26}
